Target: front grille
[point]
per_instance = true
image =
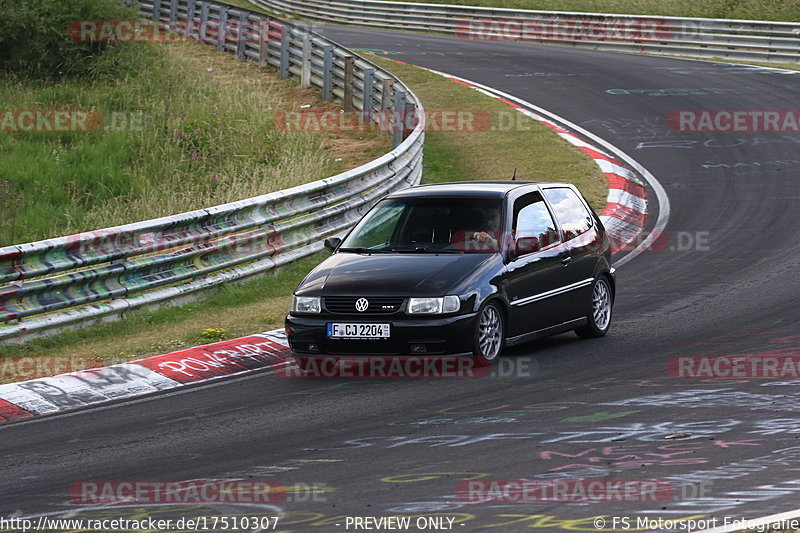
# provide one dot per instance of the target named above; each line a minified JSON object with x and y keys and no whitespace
{"x":378,"y":305}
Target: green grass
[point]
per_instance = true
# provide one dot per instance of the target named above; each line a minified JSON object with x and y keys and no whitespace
{"x":245,"y":4}
{"x":782,"y":10}
{"x":202,"y":135}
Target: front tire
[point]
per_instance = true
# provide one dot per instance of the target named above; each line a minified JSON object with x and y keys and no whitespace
{"x":489,"y":335}
{"x":600,"y":307}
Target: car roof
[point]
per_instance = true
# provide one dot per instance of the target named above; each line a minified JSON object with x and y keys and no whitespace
{"x":475,"y":189}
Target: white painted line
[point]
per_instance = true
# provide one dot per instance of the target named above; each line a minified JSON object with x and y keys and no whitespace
{"x":577,"y":141}
{"x":612,"y":168}
{"x":755,"y":523}
{"x":490,"y":95}
{"x":658,"y":189}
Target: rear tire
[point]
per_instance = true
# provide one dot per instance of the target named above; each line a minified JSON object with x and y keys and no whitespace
{"x":600,"y":307}
{"x":489,"y":335}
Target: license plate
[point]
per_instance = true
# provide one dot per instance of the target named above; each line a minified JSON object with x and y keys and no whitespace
{"x":358,"y":331}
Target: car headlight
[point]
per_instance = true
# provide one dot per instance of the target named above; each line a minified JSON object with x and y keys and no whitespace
{"x":306,"y":304}
{"x":433,"y":306}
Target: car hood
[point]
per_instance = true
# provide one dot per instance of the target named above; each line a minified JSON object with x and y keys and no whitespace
{"x":390,"y":274}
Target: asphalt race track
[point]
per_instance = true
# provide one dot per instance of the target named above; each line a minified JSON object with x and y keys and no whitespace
{"x":608,"y":409}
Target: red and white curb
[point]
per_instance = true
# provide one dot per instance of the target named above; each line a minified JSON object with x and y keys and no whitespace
{"x":626,"y":205}
{"x":74,"y":390}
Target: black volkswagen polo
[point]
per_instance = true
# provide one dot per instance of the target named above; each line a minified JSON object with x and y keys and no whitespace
{"x":457,"y":269}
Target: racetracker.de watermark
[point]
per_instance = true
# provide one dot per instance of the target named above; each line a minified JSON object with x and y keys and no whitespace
{"x":114,"y":242}
{"x":662,"y":241}
{"x":24,"y":367}
{"x":69,"y":121}
{"x":761,"y":366}
{"x":142,"y":30}
{"x":436,"y":120}
{"x":408,"y":367}
{"x":734,"y":121}
{"x":564,"y":29}
{"x":177,"y":492}
{"x":564,"y":490}
{"x":483,"y":241}
{"x":49,"y":121}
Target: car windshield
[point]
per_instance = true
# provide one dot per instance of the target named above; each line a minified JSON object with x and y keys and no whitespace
{"x":428,"y":225}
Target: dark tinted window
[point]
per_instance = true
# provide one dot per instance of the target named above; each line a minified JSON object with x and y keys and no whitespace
{"x":570,"y":211}
{"x":533,"y":219}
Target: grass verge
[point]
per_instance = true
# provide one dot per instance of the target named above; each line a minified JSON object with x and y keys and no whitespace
{"x":260,"y":305}
{"x":247,"y":5}
{"x":780,"y":10}
{"x":189,"y":128}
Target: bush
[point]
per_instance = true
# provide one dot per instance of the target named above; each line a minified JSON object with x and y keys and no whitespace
{"x":34,"y":38}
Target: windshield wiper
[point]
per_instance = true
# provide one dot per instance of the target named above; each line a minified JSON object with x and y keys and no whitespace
{"x":426,"y":250}
{"x":416,"y":249}
{"x":361,"y":250}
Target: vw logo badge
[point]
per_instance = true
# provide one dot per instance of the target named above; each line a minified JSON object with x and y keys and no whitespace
{"x":362,"y":304}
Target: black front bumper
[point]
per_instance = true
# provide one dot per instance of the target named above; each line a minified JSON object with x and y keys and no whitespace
{"x":449,"y":335}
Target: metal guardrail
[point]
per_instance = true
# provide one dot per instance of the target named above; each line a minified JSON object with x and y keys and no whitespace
{"x":100,"y":274}
{"x":728,"y":39}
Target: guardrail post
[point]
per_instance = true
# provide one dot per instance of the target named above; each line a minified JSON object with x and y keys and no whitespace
{"x":221,"y":29}
{"x":286,"y":42}
{"x":327,"y":72}
{"x":263,"y":45}
{"x":349,"y":80}
{"x":411,"y":119}
{"x":366,"y":100}
{"x":157,"y":10}
{"x":385,"y":115}
{"x":386,"y":94}
{"x":190,"y":19}
{"x":203,"y":33}
{"x":398,"y":118}
{"x":173,"y":15}
{"x":242,"y":34}
{"x":305,"y":72}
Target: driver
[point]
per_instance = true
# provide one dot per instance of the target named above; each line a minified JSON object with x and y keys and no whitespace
{"x":484,"y":236}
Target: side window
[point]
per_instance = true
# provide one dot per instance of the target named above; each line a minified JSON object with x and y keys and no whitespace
{"x":532,"y":219}
{"x":570,"y":211}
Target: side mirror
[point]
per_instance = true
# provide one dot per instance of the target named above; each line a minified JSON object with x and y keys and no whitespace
{"x":526,"y":245}
{"x":331,"y":243}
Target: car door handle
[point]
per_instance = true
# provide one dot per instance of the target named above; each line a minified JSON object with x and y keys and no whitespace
{"x":566,"y":259}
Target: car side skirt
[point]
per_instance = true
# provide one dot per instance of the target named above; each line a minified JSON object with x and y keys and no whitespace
{"x":552,"y":330}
